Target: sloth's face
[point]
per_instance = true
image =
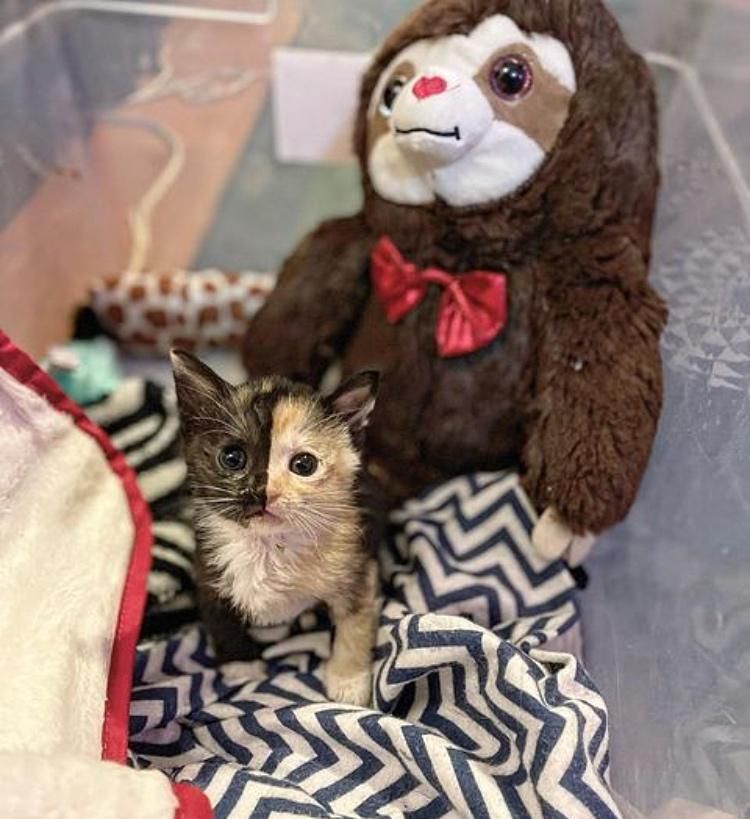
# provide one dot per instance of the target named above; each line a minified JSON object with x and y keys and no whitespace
{"x":468,"y":118}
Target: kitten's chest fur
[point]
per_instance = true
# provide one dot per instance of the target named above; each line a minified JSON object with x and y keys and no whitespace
{"x":267,"y":579}
{"x":262,"y":581}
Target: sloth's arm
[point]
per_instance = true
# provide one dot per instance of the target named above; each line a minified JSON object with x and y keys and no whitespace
{"x":321,"y":291}
{"x":598,"y":393}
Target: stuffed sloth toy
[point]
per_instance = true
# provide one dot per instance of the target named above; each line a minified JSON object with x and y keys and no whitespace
{"x":497,"y":272}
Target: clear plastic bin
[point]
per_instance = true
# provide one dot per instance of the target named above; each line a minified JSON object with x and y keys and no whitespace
{"x":88,"y":91}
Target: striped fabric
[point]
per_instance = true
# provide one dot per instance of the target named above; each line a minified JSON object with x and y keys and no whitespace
{"x":474,"y":712}
{"x":141,"y":419}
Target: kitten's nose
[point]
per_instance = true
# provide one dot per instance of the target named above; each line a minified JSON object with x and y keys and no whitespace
{"x":256,"y":503}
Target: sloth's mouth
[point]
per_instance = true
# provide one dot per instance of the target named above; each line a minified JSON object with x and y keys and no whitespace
{"x":454,"y":134}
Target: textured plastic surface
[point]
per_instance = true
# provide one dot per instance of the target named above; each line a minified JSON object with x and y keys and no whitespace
{"x":667,"y":614}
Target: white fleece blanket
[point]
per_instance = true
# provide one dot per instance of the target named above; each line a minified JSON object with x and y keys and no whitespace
{"x":72,"y":540}
{"x":56,"y":634}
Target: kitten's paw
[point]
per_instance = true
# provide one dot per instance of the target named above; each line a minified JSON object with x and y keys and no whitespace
{"x":351,"y":689}
{"x":553,"y":540}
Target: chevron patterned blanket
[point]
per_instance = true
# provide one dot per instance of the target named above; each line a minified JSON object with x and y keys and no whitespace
{"x":476,"y":712}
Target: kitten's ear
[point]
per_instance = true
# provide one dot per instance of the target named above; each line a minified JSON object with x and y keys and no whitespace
{"x":199,"y":388}
{"x":354,"y":400}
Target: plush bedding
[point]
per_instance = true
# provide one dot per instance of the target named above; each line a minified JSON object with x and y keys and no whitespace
{"x":480,"y":705}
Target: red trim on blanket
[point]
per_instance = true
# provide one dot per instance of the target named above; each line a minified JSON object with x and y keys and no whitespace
{"x":192,"y":803}
{"x":115,"y":729}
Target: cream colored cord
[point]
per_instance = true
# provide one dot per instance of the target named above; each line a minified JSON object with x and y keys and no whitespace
{"x":141,"y":216}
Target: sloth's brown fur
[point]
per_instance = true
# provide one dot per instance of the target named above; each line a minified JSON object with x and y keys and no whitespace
{"x":571,"y":390}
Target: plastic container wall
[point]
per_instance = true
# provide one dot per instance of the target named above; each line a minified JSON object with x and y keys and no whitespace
{"x":95,"y":100}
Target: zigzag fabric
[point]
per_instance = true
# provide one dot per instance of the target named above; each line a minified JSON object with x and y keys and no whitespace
{"x":474,"y":714}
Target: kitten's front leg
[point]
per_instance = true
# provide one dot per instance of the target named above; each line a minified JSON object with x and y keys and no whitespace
{"x":348,"y":674}
{"x":227,"y":631}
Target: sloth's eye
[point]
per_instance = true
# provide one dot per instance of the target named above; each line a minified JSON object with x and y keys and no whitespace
{"x":390,"y":95}
{"x":511,"y":77}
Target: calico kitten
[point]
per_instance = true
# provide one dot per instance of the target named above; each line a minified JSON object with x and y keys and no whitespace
{"x":273,"y":468}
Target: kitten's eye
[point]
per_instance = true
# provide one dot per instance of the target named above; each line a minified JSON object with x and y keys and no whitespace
{"x":511,"y":77}
{"x":390,"y":95}
{"x":303,"y":464}
{"x":233,"y":458}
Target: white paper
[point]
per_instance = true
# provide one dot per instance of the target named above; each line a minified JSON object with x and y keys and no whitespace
{"x":315,"y":99}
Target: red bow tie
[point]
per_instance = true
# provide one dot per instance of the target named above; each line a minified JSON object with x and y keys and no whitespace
{"x":473,"y":308}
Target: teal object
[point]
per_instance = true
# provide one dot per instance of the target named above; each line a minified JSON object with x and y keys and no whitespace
{"x":86,"y":371}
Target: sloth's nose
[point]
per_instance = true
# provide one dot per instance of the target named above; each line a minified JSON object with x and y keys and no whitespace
{"x":428,"y":87}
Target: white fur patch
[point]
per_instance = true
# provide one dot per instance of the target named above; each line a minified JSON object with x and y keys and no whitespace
{"x":449,"y":145}
{"x":499,"y":165}
{"x":396,"y":177}
{"x":258,"y":566}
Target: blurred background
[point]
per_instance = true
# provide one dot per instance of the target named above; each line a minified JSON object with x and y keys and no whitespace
{"x":93,"y":95}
